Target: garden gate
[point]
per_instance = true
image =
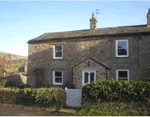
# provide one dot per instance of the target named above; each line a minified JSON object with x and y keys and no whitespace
{"x":73,"y":97}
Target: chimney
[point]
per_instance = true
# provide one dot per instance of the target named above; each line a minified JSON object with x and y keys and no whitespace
{"x":93,"y":22}
{"x":148,"y":18}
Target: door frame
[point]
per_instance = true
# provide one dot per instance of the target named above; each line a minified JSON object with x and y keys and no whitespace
{"x":83,"y":71}
{"x":41,"y":80}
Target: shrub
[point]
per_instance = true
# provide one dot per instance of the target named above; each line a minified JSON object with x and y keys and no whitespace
{"x":8,"y":95}
{"x":26,"y":96}
{"x":60,"y":98}
{"x":96,"y":112}
{"x":145,"y":79}
{"x":42,"y":96}
{"x":117,"y":90}
{"x":5,"y":83}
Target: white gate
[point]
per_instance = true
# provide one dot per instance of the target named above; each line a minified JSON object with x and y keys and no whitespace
{"x":74,"y":97}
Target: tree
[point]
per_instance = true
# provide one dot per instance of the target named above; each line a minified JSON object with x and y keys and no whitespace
{"x":5,"y":62}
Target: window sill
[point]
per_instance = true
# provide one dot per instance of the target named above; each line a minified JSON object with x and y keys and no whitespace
{"x":57,"y":84}
{"x":122,"y":56}
{"x":57,"y":58}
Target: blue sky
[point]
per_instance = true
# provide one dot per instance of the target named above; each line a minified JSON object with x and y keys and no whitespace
{"x":21,"y":21}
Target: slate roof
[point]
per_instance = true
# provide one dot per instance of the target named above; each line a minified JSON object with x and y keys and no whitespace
{"x":137,"y":29}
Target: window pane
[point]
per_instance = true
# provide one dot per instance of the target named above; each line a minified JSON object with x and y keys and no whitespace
{"x":123,"y":74}
{"x":58,"y":54}
{"x":86,"y":77}
{"x":58,"y":80}
{"x":122,"y":52}
{"x":58,"y":48}
{"x":122,"y":44}
{"x":91,"y":77}
{"x":58,"y":73}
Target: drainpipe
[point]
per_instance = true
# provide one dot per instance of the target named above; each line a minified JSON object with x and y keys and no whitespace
{"x":138,"y":45}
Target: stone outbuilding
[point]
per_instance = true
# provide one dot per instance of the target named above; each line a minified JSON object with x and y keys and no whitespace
{"x":5,"y":71}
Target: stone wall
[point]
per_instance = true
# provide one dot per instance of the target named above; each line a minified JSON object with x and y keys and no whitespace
{"x":77,"y":50}
{"x":16,"y":80}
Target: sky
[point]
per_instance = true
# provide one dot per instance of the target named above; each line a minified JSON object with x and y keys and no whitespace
{"x":21,"y":20}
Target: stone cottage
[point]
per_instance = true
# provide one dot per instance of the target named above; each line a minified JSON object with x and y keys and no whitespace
{"x":83,"y":56}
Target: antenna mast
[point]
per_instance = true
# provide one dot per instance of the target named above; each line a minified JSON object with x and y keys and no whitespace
{"x":97,"y":12}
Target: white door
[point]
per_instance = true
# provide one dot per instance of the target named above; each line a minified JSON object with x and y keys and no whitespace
{"x":88,"y":76}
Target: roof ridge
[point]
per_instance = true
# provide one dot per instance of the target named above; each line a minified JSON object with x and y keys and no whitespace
{"x":142,"y":25}
{"x":88,"y":32}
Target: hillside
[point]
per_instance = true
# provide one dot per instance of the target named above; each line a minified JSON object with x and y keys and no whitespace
{"x":12,"y":56}
{"x":13,"y":61}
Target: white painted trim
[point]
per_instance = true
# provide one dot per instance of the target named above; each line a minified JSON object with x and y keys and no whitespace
{"x":117,"y":48}
{"x":54,"y":57}
{"x":122,"y":70}
{"x":54,"y":77}
{"x":89,"y":71}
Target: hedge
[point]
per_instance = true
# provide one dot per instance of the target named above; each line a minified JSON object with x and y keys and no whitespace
{"x":117,"y":90}
{"x":44,"y":96}
{"x":95,"y":112}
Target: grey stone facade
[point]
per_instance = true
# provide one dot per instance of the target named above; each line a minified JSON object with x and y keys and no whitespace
{"x":80,"y":46}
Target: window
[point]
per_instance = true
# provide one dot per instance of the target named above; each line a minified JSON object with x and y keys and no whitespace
{"x":57,"y":77}
{"x":122,"y":48}
{"x":88,"y":76}
{"x":122,"y":74}
{"x":57,"y":51}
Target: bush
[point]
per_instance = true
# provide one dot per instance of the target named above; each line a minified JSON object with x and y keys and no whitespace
{"x":60,"y":98}
{"x":5,"y":83}
{"x":95,"y":112}
{"x":145,"y":79}
{"x":26,"y":96}
{"x":117,"y":90}
{"x":42,"y":96}
{"x":8,"y":95}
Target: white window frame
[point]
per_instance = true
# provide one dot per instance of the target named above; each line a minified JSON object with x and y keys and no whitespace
{"x":54,"y":52}
{"x":83,"y":80}
{"x":54,"y":77}
{"x":117,"y":48}
{"x":117,"y":71}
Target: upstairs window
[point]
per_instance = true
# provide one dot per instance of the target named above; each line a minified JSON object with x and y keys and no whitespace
{"x":57,"y":77}
{"x":122,"y":74}
{"x":58,"y":51}
{"x":122,"y":48}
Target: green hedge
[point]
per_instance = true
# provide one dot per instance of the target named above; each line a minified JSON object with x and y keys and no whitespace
{"x":8,"y":95}
{"x":95,"y":112}
{"x":117,"y":90}
{"x":42,"y":96}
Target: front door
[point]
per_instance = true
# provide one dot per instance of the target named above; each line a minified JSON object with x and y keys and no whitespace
{"x":88,"y":76}
{"x":39,"y":73}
